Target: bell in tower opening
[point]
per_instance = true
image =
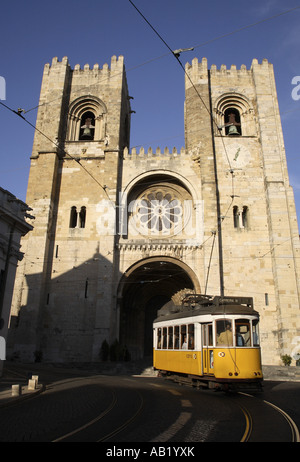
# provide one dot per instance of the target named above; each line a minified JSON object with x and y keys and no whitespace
{"x":87,"y":130}
{"x":232,"y":122}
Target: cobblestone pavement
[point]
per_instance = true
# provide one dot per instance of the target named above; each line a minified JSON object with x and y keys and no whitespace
{"x":25,"y":416}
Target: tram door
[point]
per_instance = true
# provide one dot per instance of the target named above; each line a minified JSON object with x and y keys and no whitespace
{"x":207,"y":348}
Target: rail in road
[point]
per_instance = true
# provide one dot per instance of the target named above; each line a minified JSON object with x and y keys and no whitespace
{"x":144,"y":409}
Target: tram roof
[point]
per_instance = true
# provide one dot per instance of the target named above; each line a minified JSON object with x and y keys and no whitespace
{"x":196,"y":305}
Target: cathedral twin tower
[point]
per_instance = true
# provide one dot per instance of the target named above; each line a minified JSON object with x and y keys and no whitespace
{"x":118,"y":233}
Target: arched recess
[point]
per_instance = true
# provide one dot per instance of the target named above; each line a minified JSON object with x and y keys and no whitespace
{"x":238,"y":105}
{"x":83,"y":108}
{"x":150,"y":176}
{"x":161,"y":204}
{"x":143,"y":289}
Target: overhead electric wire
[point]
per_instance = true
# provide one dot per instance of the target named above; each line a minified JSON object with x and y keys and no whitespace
{"x":228,"y":34}
{"x":219,"y":219}
{"x":220,"y":37}
{"x":56,"y":144}
{"x":176,"y":56}
{"x":19,"y":112}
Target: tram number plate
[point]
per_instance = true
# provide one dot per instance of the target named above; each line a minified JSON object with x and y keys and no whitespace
{"x":191,"y":356}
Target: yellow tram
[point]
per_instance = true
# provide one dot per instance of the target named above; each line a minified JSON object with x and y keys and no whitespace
{"x":209,"y":340}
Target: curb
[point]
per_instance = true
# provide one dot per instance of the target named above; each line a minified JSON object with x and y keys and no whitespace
{"x":8,"y":400}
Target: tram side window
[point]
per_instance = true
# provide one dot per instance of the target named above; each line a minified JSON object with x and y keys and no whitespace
{"x":255,"y":333}
{"x":158,"y":338}
{"x":176,"y":337}
{"x":242,"y":333}
{"x":191,"y":343}
{"x":183,"y":339}
{"x":164,"y":338}
{"x":170,"y":338}
{"x":224,"y":332}
{"x":210,"y":335}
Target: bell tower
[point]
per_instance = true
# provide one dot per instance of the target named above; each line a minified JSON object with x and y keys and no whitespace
{"x":233,"y":127}
{"x":103,"y":257}
{"x":83,"y":125}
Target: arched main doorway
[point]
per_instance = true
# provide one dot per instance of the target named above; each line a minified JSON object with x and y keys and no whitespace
{"x":143,"y":290}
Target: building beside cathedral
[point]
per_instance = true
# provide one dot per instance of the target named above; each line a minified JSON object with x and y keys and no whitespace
{"x":118,"y":233}
{"x":13,"y":225}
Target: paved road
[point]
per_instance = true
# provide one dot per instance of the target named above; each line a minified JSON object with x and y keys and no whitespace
{"x":81,"y":407}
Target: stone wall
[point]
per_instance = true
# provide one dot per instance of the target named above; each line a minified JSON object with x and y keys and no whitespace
{"x":223,"y":196}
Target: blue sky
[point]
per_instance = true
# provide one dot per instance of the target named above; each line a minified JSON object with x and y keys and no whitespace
{"x":33,"y":32}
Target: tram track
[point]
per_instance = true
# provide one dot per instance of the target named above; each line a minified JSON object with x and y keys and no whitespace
{"x":109,"y":409}
{"x":255,"y":412}
{"x":252,"y":423}
{"x":248,"y":428}
{"x":89,"y":423}
{"x":253,"y":420}
{"x":125,"y":424}
{"x":84,"y":432}
{"x":293,"y":426}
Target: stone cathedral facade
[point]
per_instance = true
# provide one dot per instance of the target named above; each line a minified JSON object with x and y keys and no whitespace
{"x":119,"y":232}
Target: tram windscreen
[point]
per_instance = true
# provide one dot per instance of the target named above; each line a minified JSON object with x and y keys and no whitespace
{"x":242,"y":333}
{"x":255,"y":332}
{"x":224,"y":332}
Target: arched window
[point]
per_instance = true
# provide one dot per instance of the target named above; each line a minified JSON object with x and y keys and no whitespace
{"x":245,"y":217}
{"x":77,"y":219}
{"x":232,"y":121}
{"x":234,"y":115}
{"x":87,"y":119}
{"x":235,"y":217}
{"x":87,"y":126}
{"x":160,"y":206}
{"x":241,"y":218}
{"x":73,"y":217}
{"x":82,"y":216}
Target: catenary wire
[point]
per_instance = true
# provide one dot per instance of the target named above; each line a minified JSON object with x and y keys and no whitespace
{"x":220,"y":37}
{"x":169,"y":48}
{"x":217,"y":38}
{"x":20,"y":115}
{"x":63,"y":151}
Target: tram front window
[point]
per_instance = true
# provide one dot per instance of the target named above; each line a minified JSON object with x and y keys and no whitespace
{"x":255,"y":334}
{"x":224,"y":332}
{"x":242,"y":333}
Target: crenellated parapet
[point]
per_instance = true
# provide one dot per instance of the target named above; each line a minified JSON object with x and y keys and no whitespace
{"x":233,"y":70}
{"x":198,"y":69}
{"x":116,"y":65}
{"x":143,"y":154}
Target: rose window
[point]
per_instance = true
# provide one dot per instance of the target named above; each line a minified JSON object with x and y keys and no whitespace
{"x":158,"y":212}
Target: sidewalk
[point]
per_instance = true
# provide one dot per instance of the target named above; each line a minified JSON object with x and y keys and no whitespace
{"x":15,"y":389}
{"x":282,"y":373}
{"x":18,"y":374}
